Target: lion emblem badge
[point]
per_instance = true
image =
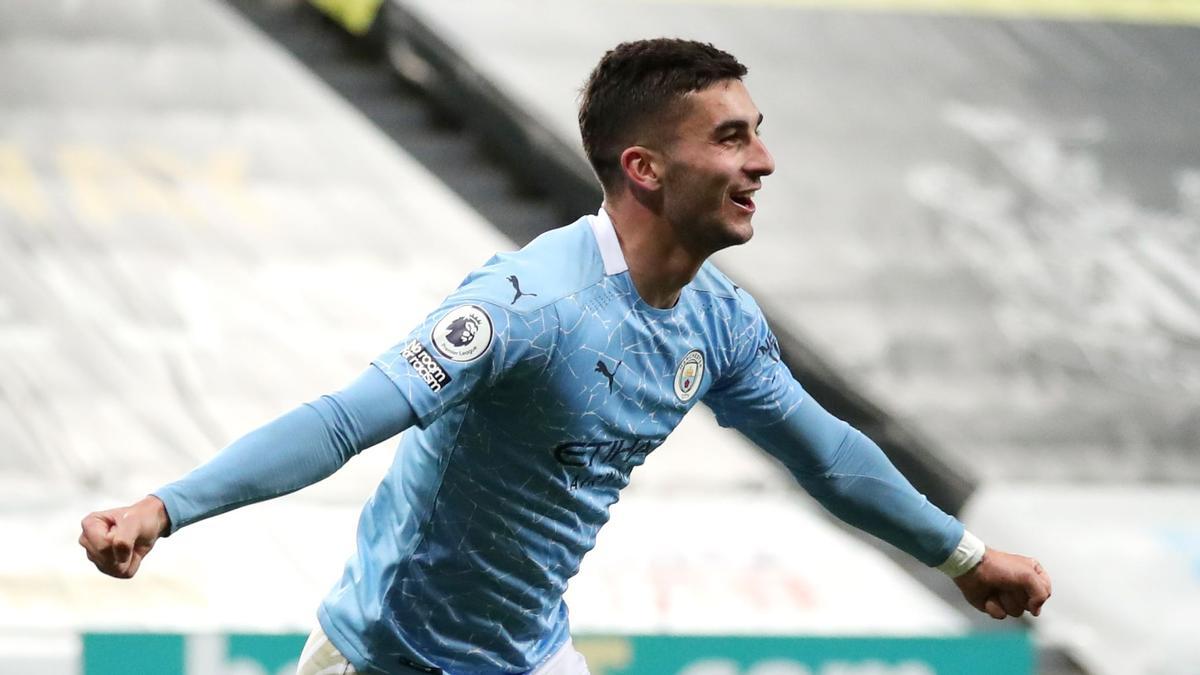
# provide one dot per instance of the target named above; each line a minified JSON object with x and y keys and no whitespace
{"x":463,"y":334}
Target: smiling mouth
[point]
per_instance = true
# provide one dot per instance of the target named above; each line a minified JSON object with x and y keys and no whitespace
{"x":743,"y":200}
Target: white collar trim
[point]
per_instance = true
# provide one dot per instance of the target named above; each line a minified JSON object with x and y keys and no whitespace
{"x":606,"y":239}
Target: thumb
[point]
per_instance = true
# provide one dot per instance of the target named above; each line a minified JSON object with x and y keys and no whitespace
{"x":994,"y":609}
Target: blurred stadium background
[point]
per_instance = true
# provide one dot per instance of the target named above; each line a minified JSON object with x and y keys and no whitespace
{"x":982,"y":246}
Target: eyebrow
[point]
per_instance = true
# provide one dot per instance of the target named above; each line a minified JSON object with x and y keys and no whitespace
{"x":731,"y":125}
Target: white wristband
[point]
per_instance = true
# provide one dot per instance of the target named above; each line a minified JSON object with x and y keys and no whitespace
{"x":965,"y":556}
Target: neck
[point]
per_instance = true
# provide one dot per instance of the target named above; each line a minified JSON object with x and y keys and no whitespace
{"x":659,"y":263}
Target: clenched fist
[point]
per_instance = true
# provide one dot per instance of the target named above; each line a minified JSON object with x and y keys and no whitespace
{"x":117,"y":540}
{"x":1004,"y":584}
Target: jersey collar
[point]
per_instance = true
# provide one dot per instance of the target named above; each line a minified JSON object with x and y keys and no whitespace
{"x":606,"y":239}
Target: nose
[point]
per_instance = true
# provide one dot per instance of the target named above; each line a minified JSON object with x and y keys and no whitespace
{"x":761,"y":162}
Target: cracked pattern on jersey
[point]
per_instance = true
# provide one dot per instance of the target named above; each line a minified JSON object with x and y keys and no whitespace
{"x":489,"y":509}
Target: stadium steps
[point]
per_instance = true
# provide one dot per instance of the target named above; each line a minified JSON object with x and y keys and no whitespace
{"x":428,"y":129}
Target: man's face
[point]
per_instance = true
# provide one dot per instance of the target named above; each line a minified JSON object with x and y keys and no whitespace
{"x":713,"y":164}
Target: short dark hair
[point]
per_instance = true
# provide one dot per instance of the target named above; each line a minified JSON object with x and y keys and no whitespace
{"x":636,"y":84}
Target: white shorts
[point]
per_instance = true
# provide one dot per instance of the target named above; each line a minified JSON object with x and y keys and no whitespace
{"x":320,"y":657}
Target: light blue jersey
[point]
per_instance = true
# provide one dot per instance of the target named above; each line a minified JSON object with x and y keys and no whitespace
{"x":539,"y":385}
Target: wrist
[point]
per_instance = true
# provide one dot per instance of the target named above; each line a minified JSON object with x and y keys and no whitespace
{"x":158,"y":511}
{"x":965,"y":556}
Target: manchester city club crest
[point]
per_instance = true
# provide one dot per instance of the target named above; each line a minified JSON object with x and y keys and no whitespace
{"x":464,"y":334}
{"x":688,"y":375}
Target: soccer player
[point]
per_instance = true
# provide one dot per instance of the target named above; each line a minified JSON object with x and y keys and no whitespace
{"x":541,"y":383}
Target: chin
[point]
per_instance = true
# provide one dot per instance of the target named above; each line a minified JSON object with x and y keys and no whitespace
{"x":740,"y":231}
{"x":733,"y":234}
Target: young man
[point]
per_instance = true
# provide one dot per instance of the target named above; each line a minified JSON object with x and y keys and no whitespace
{"x":538,"y":386}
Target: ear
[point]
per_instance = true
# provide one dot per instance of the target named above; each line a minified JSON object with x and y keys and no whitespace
{"x":642,"y":167}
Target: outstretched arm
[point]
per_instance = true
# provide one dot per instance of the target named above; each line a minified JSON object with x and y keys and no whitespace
{"x":295,"y":450}
{"x":852,"y":478}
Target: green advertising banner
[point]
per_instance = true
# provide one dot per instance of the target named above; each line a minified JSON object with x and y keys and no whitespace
{"x":174,"y":654}
{"x":248,"y":654}
{"x":981,"y":654}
